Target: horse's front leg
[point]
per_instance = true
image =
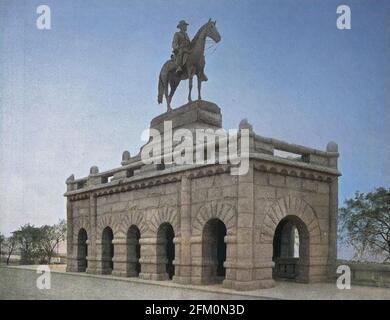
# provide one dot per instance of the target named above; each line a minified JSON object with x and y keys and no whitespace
{"x":199,"y":87}
{"x":173,"y":83}
{"x":190,"y":87}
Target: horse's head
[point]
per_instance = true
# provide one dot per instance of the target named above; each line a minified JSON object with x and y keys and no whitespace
{"x":212,"y":32}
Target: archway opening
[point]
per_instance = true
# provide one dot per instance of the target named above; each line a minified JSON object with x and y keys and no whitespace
{"x":291,"y":250}
{"x":107,"y":251}
{"x":133,"y":252}
{"x":213,"y":251}
{"x":82,"y":251}
{"x":166,"y":247}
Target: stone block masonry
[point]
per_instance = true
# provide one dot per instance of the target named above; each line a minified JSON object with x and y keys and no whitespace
{"x":198,"y":224}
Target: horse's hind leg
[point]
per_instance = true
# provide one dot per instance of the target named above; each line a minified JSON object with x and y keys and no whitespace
{"x":190,"y":88}
{"x":199,"y":87}
{"x":167,"y":97}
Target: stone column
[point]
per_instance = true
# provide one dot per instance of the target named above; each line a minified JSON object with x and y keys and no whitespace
{"x":196,"y":260}
{"x":153,"y":260}
{"x":241,"y":270}
{"x":230,"y":263}
{"x":71,"y":258}
{"x":120,"y":257}
{"x":92,"y":251}
{"x":182,"y":243}
{"x":332,"y":149}
{"x":333,"y":218}
{"x":98,"y":260}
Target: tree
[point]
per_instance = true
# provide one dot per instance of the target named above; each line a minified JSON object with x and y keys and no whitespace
{"x":365,"y":223}
{"x":2,"y":239}
{"x":10,"y":246}
{"x":29,"y":238}
{"x":51,"y":237}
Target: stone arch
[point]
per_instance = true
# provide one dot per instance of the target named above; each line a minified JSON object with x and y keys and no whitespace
{"x":290,"y":206}
{"x":133,"y":251}
{"x":109,"y":220}
{"x":80,"y":223}
{"x":164,"y":214}
{"x":132,"y":217}
{"x":223,"y":211}
{"x":107,"y":250}
{"x":214,"y":251}
{"x":291,"y":232}
{"x":165,"y":249}
{"x":82,"y":250}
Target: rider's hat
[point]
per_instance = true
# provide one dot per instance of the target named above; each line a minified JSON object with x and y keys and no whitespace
{"x":182,"y":23}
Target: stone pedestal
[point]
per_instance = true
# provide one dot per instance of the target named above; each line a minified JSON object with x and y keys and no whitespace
{"x":194,"y":115}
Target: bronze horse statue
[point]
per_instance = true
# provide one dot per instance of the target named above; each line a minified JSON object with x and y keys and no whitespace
{"x":194,"y":65}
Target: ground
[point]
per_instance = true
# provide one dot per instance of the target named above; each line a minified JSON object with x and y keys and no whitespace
{"x":20,"y":283}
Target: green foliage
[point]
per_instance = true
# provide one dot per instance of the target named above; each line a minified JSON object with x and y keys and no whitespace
{"x":2,"y":239}
{"x":38,"y":244}
{"x":29,"y":238}
{"x":50,"y":238}
{"x":10,"y":245}
{"x":365,"y":223}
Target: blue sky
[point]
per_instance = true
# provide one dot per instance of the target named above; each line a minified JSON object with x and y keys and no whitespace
{"x":79,"y":94}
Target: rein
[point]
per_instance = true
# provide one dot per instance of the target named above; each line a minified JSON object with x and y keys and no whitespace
{"x":214,"y":44}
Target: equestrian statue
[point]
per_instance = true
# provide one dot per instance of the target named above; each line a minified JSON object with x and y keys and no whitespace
{"x":186,"y":61}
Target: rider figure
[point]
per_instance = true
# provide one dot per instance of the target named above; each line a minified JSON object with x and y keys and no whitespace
{"x":180,"y":45}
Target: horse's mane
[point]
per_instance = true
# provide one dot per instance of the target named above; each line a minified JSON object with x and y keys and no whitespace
{"x":197,"y":35}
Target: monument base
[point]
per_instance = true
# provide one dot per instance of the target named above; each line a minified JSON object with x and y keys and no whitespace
{"x":198,"y":114}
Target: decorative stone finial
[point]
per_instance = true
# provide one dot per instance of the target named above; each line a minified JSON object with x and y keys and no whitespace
{"x":332,"y":147}
{"x":244,"y":124}
{"x":70,"y":178}
{"x":94,"y":170}
{"x":125,"y":155}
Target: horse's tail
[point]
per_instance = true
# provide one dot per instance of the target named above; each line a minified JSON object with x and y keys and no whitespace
{"x":160,"y":90}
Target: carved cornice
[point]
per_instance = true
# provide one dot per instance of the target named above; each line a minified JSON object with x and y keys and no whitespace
{"x":125,"y":186}
{"x":80,"y":196}
{"x":174,"y":174}
{"x":287,"y":170}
